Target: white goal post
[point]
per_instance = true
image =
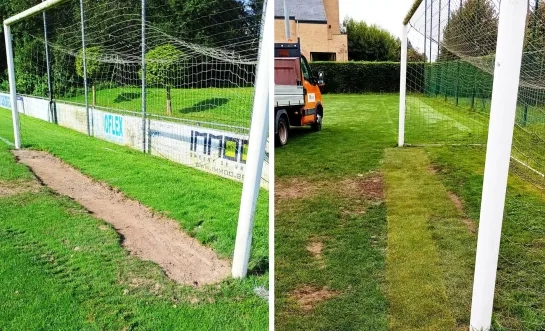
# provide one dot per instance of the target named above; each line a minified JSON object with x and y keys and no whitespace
{"x":38,"y":9}
{"x":506,"y":77}
{"x":256,"y":149}
{"x":511,"y":27}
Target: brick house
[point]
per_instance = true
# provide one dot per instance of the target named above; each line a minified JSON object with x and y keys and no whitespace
{"x":317,"y":24}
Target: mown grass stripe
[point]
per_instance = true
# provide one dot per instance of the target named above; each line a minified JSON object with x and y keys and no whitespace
{"x":415,"y":286}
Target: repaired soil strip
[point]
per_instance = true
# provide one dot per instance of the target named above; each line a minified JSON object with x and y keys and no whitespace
{"x":416,"y":287}
{"x":145,"y":235}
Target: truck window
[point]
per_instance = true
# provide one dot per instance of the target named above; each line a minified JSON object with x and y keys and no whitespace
{"x":305,"y":68}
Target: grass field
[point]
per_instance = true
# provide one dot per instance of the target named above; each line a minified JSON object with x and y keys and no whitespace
{"x":231,"y":106}
{"x":372,"y":237}
{"x":48,"y":284}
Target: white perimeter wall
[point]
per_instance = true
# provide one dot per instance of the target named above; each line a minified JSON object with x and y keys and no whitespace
{"x":194,"y":146}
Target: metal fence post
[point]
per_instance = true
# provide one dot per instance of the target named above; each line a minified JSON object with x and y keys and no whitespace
{"x":84,"y":59}
{"x":48,"y":68}
{"x":144,"y":76}
{"x":287,"y":21}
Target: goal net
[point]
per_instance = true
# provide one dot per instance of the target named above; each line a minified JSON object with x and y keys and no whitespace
{"x":81,"y":67}
{"x":451,"y":53}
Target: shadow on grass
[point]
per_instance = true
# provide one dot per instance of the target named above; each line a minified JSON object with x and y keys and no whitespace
{"x":260,"y":267}
{"x":127,"y":96}
{"x":204,"y":105}
{"x":302,"y":133}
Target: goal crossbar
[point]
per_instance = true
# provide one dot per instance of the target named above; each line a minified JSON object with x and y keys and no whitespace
{"x":33,"y":11}
{"x":411,"y":12}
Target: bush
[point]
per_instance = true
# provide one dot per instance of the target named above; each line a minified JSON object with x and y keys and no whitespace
{"x":162,"y":62}
{"x":93,"y":61}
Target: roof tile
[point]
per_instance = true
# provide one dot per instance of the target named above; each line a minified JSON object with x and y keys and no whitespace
{"x":303,"y":10}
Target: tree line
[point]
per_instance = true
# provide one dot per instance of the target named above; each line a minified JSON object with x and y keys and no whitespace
{"x":228,"y":24}
{"x":459,"y":36}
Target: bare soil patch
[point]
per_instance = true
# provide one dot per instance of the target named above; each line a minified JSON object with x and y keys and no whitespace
{"x":315,"y":247}
{"x":433,"y":169}
{"x":460,"y":207}
{"x":18,"y":187}
{"x":148,"y":236}
{"x":457,"y":202}
{"x":308,"y":296}
{"x":362,"y":191}
{"x":293,"y":188}
{"x":370,"y":187}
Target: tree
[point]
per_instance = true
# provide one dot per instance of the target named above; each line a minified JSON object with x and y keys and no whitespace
{"x":211,"y":23}
{"x":471,"y":31}
{"x":535,"y":28}
{"x":413,"y":55}
{"x":161,"y":63}
{"x":370,"y":42}
{"x":115,"y":27}
{"x":93,"y":62}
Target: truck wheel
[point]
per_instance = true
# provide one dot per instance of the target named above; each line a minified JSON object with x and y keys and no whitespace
{"x":283,"y":131}
{"x":317,"y":126}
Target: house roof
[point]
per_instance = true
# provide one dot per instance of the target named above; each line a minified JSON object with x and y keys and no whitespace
{"x":302,"y":10}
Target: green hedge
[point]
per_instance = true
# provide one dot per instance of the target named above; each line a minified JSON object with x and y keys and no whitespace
{"x":450,"y":78}
{"x":457,"y":78}
{"x":362,"y":77}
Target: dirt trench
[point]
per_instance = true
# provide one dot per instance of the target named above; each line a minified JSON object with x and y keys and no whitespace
{"x":148,"y":236}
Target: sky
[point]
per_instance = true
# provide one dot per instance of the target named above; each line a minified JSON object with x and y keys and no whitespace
{"x":388,"y":14}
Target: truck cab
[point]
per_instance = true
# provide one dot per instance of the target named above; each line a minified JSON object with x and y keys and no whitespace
{"x":297,"y":96}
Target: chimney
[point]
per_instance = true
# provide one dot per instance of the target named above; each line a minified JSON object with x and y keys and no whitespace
{"x":332,"y":14}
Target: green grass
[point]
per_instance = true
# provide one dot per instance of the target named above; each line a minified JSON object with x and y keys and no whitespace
{"x":407,"y":262}
{"x":231,"y":106}
{"x":519,"y":301}
{"x":86,"y":289}
{"x":354,"y":125}
{"x":434,"y":121}
{"x":350,"y":146}
{"x":46,"y":283}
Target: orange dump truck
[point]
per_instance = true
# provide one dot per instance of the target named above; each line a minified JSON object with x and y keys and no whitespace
{"x":297,"y":97}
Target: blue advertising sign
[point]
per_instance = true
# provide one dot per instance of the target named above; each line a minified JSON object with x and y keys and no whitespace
{"x":113,"y":126}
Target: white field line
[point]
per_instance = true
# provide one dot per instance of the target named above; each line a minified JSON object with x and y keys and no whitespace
{"x":9,"y":143}
{"x":527,"y":166}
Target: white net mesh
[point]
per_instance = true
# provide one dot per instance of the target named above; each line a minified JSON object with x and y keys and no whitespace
{"x":201,"y":62}
{"x":448,"y":103}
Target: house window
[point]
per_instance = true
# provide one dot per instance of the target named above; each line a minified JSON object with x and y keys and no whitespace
{"x":323,"y":56}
